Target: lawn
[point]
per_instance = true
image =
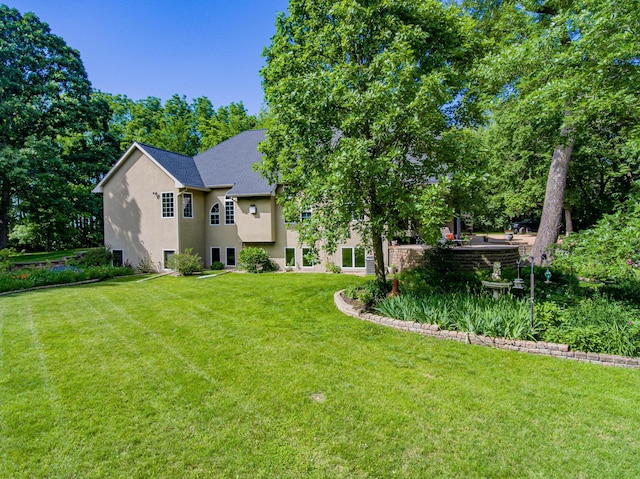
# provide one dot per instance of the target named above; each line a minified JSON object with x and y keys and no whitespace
{"x":259,"y":376}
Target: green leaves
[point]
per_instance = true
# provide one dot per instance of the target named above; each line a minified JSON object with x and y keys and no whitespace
{"x":357,"y":95}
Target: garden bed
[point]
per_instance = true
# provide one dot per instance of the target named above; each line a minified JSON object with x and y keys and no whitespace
{"x":355,"y":309}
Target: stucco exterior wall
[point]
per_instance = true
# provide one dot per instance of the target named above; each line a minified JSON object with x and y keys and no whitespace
{"x":133,"y":211}
{"x":192,"y":229}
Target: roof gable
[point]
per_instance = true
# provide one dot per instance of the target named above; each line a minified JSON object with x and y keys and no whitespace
{"x":230,"y":163}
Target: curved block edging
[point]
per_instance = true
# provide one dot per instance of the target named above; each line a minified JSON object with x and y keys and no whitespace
{"x":532,"y":347}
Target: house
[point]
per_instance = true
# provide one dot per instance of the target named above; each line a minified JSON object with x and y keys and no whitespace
{"x":157,"y":203}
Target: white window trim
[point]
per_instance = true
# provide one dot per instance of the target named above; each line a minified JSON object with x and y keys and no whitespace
{"x":226,"y":256}
{"x":184,"y":196}
{"x":211,"y":260}
{"x":173,"y":201}
{"x":121,"y":251}
{"x":164,"y":257}
{"x":229,"y":200}
{"x":219,"y":214}
{"x":353,"y":257}
{"x":295,"y":259}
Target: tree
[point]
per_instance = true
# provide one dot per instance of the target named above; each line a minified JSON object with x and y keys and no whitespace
{"x":177,"y":125}
{"x":227,"y":121}
{"x":556,"y":67}
{"x":360,"y":97}
{"x":45,"y":105}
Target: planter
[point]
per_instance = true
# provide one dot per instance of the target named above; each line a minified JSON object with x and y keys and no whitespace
{"x":508,"y":235}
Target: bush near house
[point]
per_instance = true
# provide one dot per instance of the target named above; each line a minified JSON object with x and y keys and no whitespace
{"x":186,"y":263}
{"x":255,"y":260}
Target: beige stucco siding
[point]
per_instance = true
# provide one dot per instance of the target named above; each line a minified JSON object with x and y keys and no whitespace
{"x":133,"y":211}
{"x":258,"y":227}
{"x":192,"y":230}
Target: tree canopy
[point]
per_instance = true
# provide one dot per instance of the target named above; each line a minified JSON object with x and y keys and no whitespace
{"x":362,"y":96}
{"x":562,"y":78}
{"x":49,"y":121}
{"x":176,"y":125}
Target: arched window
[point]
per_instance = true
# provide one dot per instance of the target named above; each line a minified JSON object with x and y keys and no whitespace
{"x":214,"y":217}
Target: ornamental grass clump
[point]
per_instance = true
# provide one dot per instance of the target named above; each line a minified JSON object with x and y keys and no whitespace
{"x":507,"y":317}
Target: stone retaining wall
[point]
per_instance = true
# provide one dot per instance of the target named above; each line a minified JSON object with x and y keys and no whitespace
{"x":533,"y":347}
{"x":468,"y":258}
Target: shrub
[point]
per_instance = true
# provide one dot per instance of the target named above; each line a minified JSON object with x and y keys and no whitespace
{"x":186,"y":263}
{"x":145,"y":265}
{"x":255,"y":260}
{"x":608,"y":251}
{"x":100,"y":256}
{"x":333,"y":268}
{"x":217,"y":266}
{"x":370,"y":292}
{"x":5,"y":258}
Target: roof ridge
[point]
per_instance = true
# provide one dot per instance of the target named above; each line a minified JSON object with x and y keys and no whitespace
{"x":163,"y":149}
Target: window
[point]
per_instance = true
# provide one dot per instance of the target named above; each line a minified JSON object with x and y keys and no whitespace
{"x":187,"y":205}
{"x":167,"y":205}
{"x":118,"y":257}
{"x":215,"y":255}
{"x":214,"y":216}
{"x":309,"y":257}
{"x":229,"y":212}
{"x":305,"y":215}
{"x":166,"y":256}
{"x":290,"y":256}
{"x":231,"y":256}
{"x":353,"y":258}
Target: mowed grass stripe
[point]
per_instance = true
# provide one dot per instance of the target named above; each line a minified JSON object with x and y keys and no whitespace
{"x":260,"y":376}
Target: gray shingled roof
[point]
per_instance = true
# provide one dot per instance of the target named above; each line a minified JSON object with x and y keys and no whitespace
{"x":231,"y":163}
{"x":181,"y":167}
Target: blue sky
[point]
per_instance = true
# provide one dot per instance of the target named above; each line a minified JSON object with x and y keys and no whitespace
{"x":143,"y":48}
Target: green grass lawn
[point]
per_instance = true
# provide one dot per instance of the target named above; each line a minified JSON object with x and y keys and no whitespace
{"x":45,"y":256}
{"x":259,"y":376}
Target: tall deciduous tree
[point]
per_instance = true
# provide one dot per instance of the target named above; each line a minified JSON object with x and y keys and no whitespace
{"x":45,"y":102}
{"x":556,"y":67}
{"x":360,"y":95}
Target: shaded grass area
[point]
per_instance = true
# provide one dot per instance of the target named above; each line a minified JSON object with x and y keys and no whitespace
{"x":260,"y":376}
{"x":45,"y":256}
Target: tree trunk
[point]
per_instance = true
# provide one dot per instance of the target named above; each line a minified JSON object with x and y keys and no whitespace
{"x":553,"y":200}
{"x":378,"y":256}
{"x":5,"y":203}
{"x":568,"y":220}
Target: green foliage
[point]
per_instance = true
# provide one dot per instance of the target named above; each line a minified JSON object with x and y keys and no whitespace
{"x":370,"y":292}
{"x":541,"y":93}
{"x":176,"y":125}
{"x":217,"y":266}
{"x":56,"y":143}
{"x":26,"y":278}
{"x":350,"y":87}
{"x":186,"y":263}
{"x":5,"y":258}
{"x":608,"y":251}
{"x":506,"y":317}
{"x":333,"y":268}
{"x":145,"y":265}
{"x":100,"y":256}
{"x":598,"y":325}
{"x":255,"y":260}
